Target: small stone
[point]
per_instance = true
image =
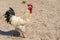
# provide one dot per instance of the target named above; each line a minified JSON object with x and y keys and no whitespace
{"x":23,"y":1}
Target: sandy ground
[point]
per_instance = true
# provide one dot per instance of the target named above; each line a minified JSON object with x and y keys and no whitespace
{"x":45,"y":23}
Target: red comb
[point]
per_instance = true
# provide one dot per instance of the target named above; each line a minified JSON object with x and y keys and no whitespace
{"x":30,"y":7}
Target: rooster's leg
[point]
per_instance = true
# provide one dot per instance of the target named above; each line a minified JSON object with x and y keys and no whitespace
{"x":21,"y":32}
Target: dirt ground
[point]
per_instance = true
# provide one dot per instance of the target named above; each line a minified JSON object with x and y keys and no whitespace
{"x":45,"y":22}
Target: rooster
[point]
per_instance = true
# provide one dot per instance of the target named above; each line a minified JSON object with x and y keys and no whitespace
{"x":17,"y":21}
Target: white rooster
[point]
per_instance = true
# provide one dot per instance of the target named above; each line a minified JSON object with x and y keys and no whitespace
{"x":17,"y":21}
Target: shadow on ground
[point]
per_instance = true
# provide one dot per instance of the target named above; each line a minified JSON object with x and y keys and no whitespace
{"x":10,"y":33}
